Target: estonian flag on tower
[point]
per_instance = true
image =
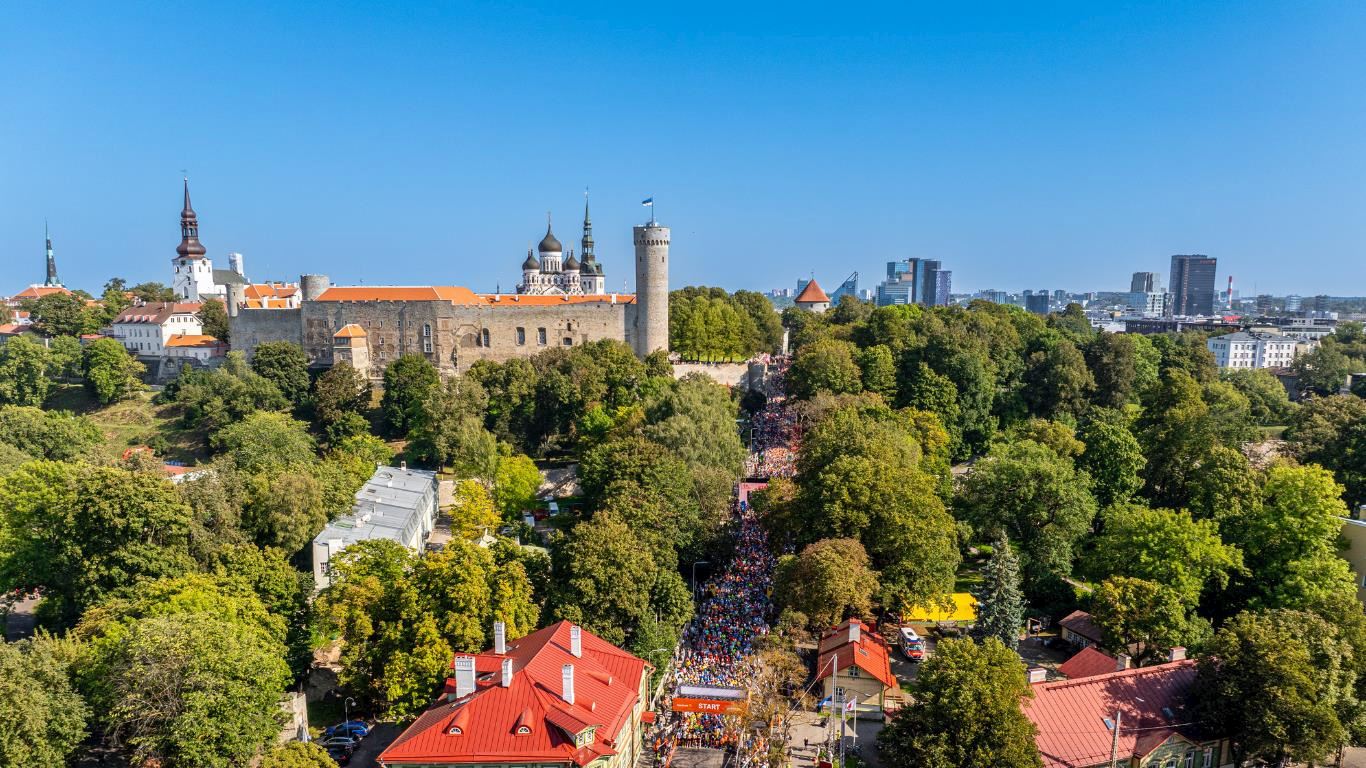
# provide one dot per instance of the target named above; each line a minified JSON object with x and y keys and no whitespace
{"x":649,"y":201}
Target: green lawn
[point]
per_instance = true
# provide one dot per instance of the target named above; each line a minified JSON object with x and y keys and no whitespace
{"x":135,"y":421}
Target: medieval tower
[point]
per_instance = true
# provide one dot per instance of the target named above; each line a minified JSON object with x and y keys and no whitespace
{"x":651,"y":330}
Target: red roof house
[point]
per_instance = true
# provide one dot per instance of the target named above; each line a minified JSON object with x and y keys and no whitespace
{"x":855,"y":660}
{"x":1074,"y":719}
{"x":1080,"y":629}
{"x":559,"y":695}
{"x":1089,"y":662}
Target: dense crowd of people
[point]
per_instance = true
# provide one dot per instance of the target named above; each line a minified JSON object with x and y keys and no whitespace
{"x":774,"y":436}
{"x":719,"y":646}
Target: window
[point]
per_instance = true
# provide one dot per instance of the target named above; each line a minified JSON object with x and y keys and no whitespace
{"x":484,"y":338}
{"x":540,"y":336}
{"x":426,"y":330}
{"x":853,"y":671}
{"x":521,"y":336}
{"x":427,"y":345}
{"x":1190,"y":758}
{"x":1209,"y":758}
{"x":568,"y":341}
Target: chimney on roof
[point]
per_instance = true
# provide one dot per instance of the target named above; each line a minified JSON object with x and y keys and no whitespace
{"x":567,"y":683}
{"x":1176,"y":654}
{"x":403,"y":465}
{"x":500,"y":634}
{"x":507,"y":672}
{"x":1122,"y":662}
{"x":1037,"y":674}
{"x":855,"y":632}
{"x":575,"y":640}
{"x":464,"y":676}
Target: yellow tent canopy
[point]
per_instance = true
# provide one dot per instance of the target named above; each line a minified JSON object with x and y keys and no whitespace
{"x":964,"y":610}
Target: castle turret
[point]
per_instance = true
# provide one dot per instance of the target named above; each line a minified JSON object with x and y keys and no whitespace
{"x":652,"y":288}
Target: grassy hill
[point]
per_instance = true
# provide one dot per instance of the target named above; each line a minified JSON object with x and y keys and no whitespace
{"x":131,"y":422}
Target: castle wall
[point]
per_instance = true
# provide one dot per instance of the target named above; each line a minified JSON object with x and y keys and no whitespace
{"x":252,"y":327}
{"x":567,"y":325}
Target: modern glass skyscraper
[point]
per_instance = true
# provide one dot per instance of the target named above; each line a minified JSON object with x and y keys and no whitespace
{"x":1192,"y":281}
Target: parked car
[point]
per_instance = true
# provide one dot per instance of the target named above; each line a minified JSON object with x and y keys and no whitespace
{"x":345,"y":742}
{"x":340,"y":755}
{"x":353,"y":728}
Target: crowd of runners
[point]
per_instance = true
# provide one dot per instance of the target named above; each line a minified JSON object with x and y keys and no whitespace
{"x":719,"y":646}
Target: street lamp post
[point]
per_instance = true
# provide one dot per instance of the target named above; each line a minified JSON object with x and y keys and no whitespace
{"x":346,"y":708}
{"x":694,"y":574}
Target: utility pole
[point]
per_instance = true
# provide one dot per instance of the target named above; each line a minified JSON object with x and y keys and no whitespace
{"x":1114,"y":741}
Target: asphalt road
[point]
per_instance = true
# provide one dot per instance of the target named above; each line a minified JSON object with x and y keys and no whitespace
{"x":380,"y":737}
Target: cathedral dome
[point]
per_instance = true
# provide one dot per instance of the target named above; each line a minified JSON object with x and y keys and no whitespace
{"x":571,"y":263}
{"x":531,"y":262}
{"x":549,"y":244}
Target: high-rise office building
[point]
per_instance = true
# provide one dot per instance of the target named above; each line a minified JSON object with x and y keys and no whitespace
{"x":1146,"y":282}
{"x":915,"y":281}
{"x":1192,"y":279}
{"x":1037,"y":302}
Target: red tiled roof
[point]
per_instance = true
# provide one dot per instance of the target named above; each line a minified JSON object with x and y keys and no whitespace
{"x":14,"y":329}
{"x":1088,"y":663}
{"x":157,"y":312}
{"x":606,"y":690}
{"x":260,"y":291}
{"x":350,"y":331}
{"x":1070,"y":714}
{"x":812,"y":294}
{"x":868,"y":654}
{"x":1081,"y":623}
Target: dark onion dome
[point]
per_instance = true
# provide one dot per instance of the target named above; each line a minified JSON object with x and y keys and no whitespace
{"x":549,"y":244}
{"x":531,"y":262}
{"x":571,"y":264}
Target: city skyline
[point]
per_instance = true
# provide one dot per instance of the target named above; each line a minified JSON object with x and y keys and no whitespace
{"x":1065,"y":148}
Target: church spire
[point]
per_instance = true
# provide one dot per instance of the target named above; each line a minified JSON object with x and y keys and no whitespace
{"x":51,"y":260}
{"x":189,"y":247}
{"x":587,"y":243}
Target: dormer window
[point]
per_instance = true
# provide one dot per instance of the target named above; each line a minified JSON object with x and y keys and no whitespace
{"x":522,"y":730}
{"x":455,"y":730}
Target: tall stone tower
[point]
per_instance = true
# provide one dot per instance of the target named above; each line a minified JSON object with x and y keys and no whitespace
{"x":652,"y":288}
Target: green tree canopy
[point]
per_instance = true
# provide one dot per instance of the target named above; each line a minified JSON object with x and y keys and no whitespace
{"x":1038,"y":498}
{"x":1143,"y":615}
{"x":965,"y":711}
{"x":1112,"y":457}
{"x":408,"y":381}
{"x":45,"y":719}
{"x":1166,"y":547}
{"x":825,"y":366}
{"x":210,"y":400}
{"x":25,"y":369}
{"x":515,"y":483}
{"x":828,"y":581}
{"x":81,"y":532}
{"x":297,"y":754}
{"x":285,"y":365}
{"x":110,"y":372}
{"x":213,"y":317}
{"x":55,"y":435}
{"x":1278,"y":685}
{"x":1331,"y":432}
{"x":340,"y":396}
{"x":61,"y":314}
{"x":265,"y":440}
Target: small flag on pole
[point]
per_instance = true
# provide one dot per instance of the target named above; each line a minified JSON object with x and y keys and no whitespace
{"x":851,"y":704}
{"x":648,"y":202}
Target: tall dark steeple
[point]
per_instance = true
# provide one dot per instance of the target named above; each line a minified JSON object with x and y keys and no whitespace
{"x":587,"y":243}
{"x":51,"y":261}
{"x":189,"y":247}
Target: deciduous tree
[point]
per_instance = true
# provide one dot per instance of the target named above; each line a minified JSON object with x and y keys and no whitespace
{"x":828,"y":581}
{"x":110,"y":372}
{"x":25,"y":369}
{"x":45,"y":719}
{"x":285,"y":365}
{"x":965,"y":711}
{"x":408,"y":381}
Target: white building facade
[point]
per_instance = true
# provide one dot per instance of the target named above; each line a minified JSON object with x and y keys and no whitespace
{"x":396,"y":503}
{"x":1249,"y":350}
{"x":146,"y":330}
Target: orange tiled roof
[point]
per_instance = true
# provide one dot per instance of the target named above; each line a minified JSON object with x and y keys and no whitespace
{"x":269,"y":291}
{"x":869,"y":653}
{"x":812,"y":294}
{"x":39,"y":291}
{"x":268,"y":303}
{"x":350,"y":331}
{"x":452,"y":293}
{"x":522,"y":300}
{"x":1088,"y":662}
{"x":191,"y":340}
{"x":157,"y":312}
{"x":11,"y":329}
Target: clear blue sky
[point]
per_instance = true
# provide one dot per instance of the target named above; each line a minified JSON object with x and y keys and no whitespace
{"x":1040,"y":145}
